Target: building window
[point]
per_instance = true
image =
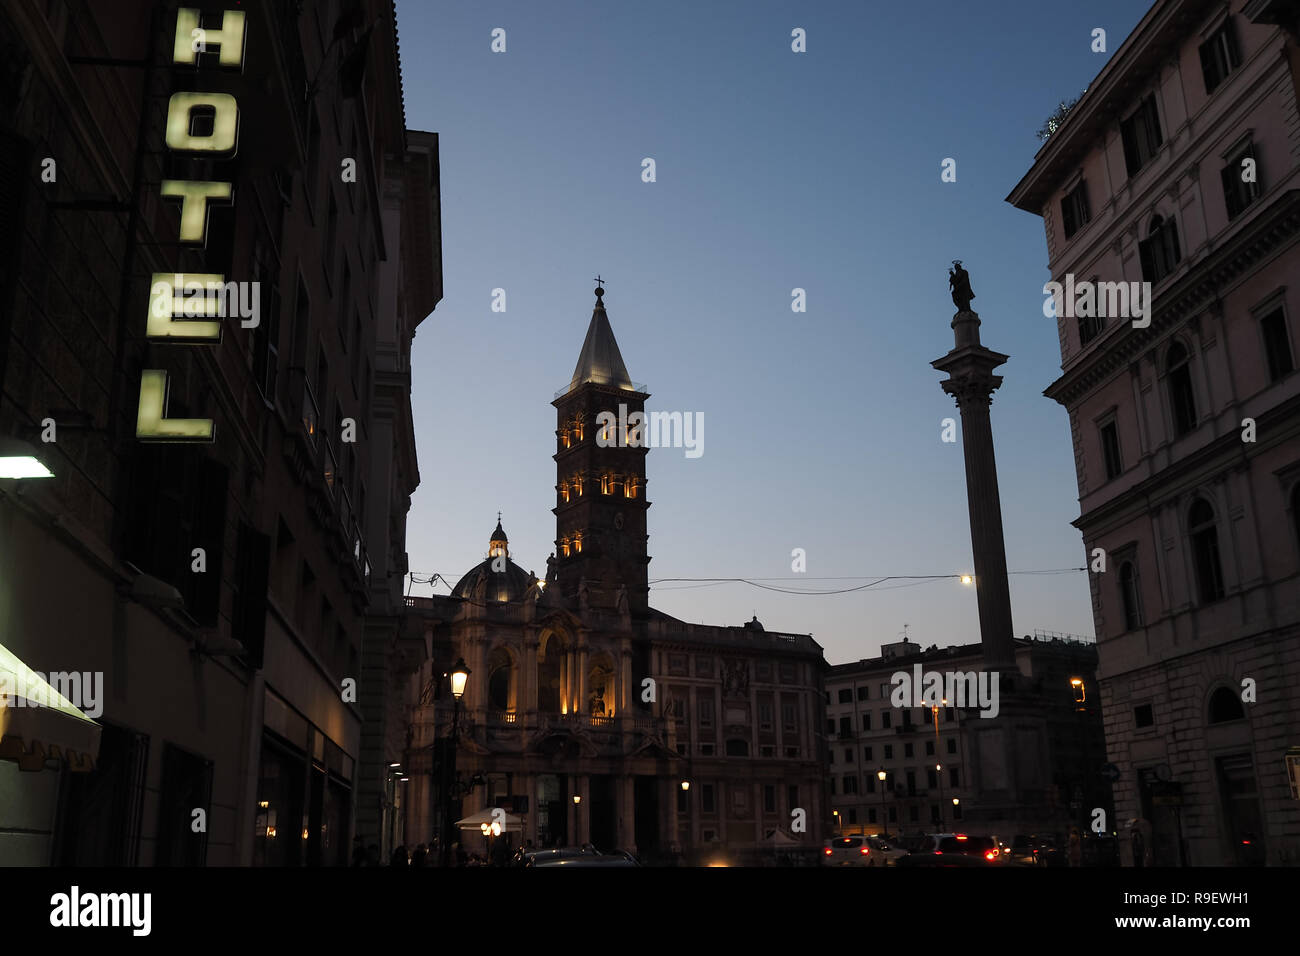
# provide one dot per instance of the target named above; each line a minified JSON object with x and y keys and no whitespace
{"x":737,"y":748}
{"x":706,"y":798}
{"x":564,"y":547}
{"x":606,"y":484}
{"x":911,"y":783}
{"x":1239,"y":192}
{"x":889,"y":751}
{"x":956,"y":811}
{"x":931,"y":778}
{"x":830,"y":727}
{"x":564,"y":491}
{"x":1205,"y":551}
{"x":866,"y":751}
{"x":907,"y":750}
{"x":706,"y":711}
{"x":1295,"y":510}
{"x":913,"y":814}
{"x":630,"y":488}
{"x":1110,"y":450}
{"x":871,"y":815}
{"x":866,"y":721}
{"x":1159,"y":252}
{"x":1178,"y":378}
{"x":578,"y":430}
{"x":954,"y":777}
{"x":846,"y":695}
{"x":885,"y":718}
{"x":577,"y":485}
{"x":848,"y":755}
{"x":853,"y":816}
{"x":1091,"y":326}
{"x":850,"y":784}
{"x":1219,"y":56}
{"x":1141,"y":135}
{"x":577,"y":544}
{"x":769,"y":798}
{"x":947,"y":714}
{"x":831,"y":780}
{"x":863,"y":692}
{"x":787,"y":716}
{"x":1130,"y":596}
{"x":1225,"y":705}
{"x":1142,"y":716}
{"x":564,"y":438}
{"x":1074,"y":209}
{"x":871,"y":783}
{"x":952,"y":745}
{"x":1277,"y":345}
{"x":893,"y":814}
{"x":792,"y":796}
{"x":846,"y":726}
{"x":934,"y":813}
{"x":764,"y":715}
{"x":929,"y":748}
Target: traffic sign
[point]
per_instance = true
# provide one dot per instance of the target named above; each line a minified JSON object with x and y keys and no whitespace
{"x":1110,"y":772}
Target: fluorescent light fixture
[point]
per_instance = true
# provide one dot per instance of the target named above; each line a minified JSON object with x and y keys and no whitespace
{"x":18,"y":459}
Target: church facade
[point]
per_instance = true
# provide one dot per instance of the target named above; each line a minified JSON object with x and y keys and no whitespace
{"x":590,"y":716}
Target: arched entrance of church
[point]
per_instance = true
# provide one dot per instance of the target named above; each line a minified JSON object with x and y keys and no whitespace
{"x":552,"y":811}
{"x":604,"y":816}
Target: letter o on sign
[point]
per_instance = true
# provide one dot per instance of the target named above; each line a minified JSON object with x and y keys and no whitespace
{"x":225,"y":124}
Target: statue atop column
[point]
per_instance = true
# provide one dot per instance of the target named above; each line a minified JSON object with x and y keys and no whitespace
{"x":959,"y":282}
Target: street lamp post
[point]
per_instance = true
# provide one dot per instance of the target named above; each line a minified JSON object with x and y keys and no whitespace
{"x":459,"y":675}
{"x":938,"y":772}
{"x":881,"y":776}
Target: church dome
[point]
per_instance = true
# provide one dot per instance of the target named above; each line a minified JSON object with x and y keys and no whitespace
{"x":508,"y":583}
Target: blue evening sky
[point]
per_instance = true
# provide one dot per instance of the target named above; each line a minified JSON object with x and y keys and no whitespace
{"x":775,"y":170}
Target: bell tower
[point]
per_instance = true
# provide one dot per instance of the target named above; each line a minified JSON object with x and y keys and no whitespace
{"x":600,"y":509}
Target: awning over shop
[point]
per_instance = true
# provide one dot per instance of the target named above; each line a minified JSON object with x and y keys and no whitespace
{"x":475,"y":821}
{"x":37,"y":723}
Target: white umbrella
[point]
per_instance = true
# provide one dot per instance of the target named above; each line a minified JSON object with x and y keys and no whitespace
{"x":476,"y":821}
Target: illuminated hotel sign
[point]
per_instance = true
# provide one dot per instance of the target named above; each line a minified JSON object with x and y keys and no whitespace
{"x":186,"y":294}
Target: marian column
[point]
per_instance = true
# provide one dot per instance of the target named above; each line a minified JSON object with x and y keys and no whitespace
{"x":971,"y":383}
{"x":1004,"y":752}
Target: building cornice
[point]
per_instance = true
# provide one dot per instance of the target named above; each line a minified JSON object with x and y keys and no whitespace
{"x":1199,"y":287}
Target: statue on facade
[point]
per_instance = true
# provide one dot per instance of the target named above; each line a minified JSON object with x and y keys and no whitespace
{"x":959,"y":282}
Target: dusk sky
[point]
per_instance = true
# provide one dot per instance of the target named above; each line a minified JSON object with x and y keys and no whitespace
{"x":775,"y":170}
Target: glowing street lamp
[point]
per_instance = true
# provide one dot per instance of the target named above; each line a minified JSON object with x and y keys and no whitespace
{"x":881,"y":776}
{"x":686,"y":785}
{"x":967,"y":580}
{"x":459,"y":675}
{"x":18,"y":460}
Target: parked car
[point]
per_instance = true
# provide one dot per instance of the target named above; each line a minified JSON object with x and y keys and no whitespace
{"x":883,"y":853}
{"x":536,"y":857}
{"x":984,"y":848}
{"x":588,"y":859}
{"x":846,"y":851}
{"x":1100,"y":850}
